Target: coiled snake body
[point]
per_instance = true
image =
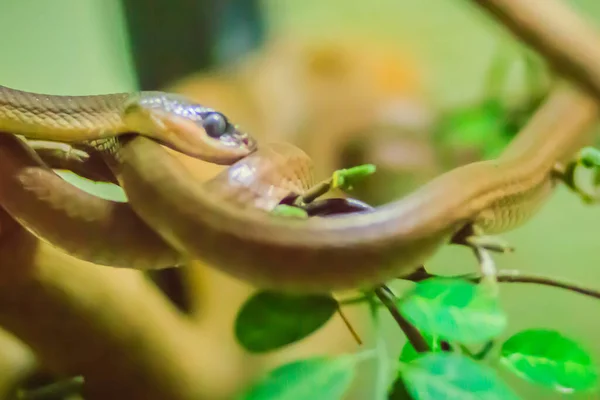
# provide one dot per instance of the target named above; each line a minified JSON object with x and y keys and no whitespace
{"x":180,"y":218}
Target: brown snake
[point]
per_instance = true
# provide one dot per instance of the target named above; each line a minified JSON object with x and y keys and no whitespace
{"x":318,"y":254}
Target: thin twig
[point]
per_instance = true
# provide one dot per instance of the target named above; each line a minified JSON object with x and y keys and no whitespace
{"x":349,"y":326}
{"x":316,"y":191}
{"x":351,"y":301}
{"x":514,"y":276}
{"x":412,"y":334}
{"x":486,"y":263}
{"x":487,"y":268}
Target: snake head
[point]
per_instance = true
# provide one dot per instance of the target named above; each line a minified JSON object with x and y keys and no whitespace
{"x":187,"y":127}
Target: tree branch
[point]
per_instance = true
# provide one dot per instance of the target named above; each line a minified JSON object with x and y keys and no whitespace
{"x":110,"y":325}
{"x":552,"y":28}
{"x":514,"y":276}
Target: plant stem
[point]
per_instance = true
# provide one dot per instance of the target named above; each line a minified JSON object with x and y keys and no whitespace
{"x":349,"y":325}
{"x":315,"y":192}
{"x":515,"y":276}
{"x":415,"y":338}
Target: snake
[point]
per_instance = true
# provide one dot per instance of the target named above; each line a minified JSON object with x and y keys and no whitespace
{"x":167,"y":118}
{"x":176,"y":215}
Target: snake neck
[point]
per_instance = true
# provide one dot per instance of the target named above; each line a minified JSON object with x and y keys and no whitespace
{"x":61,"y":118}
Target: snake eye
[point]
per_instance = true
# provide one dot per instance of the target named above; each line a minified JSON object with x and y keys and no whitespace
{"x":215,"y":124}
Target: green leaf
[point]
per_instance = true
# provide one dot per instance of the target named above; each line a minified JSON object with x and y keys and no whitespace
{"x":345,"y":179}
{"x":437,"y":376}
{"x":316,"y":378}
{"x":589,"y":157}
{"x":409,"y":353}
{"x":454,"y":310}
{"x":283,"y":210}
{"x":398,"y":391}
{"x":482,"y":126}
{"x":270,"y":320}
{"x":548,"y":358}
{"x":472,"y":125}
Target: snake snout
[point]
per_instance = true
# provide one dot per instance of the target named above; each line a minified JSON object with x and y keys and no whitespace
{"x":188,"y":127}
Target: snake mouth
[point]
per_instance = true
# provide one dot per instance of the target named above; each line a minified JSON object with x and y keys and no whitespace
{"x":249,"y":142}
{"x":242,"y":139}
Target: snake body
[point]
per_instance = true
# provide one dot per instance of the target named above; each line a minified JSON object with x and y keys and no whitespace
{"x":164,"y":117}
{"x":77,"y":222}
{"x":358,"y":250}
{"x":336,"y":253}
{"x":62,"y":118}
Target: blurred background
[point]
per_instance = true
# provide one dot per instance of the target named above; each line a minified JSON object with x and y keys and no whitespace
{"x":415,"y":87}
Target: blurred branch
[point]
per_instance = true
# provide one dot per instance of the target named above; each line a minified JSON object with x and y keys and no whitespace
{"x":18,"y":364}
{"x":111,"y":326}
{"x":567,"y":41}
